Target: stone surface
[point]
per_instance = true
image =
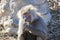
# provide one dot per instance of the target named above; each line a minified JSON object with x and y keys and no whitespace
{"x":54,"y":26}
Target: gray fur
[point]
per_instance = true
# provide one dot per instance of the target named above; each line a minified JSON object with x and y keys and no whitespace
{"x":36,"y":27}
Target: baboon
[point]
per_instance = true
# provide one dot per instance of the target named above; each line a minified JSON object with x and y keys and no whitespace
{"x":30,"y":20}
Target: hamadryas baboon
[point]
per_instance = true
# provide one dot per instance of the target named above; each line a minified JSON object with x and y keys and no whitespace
{"x":30,"y":20}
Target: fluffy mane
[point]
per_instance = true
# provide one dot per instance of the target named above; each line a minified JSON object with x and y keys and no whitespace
{"x":31,"y":9}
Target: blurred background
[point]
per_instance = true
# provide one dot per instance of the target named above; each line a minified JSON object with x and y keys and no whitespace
{"x":54,"y":25}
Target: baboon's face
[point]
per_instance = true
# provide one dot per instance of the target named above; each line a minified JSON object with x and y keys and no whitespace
{"x":27,"y":17}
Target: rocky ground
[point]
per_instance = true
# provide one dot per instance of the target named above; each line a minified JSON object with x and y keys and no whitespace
{"x":54,"y":26}
{"x":4,"y":36}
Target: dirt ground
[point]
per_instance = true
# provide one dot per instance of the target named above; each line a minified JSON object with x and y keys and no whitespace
{"x":6,"y":37}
